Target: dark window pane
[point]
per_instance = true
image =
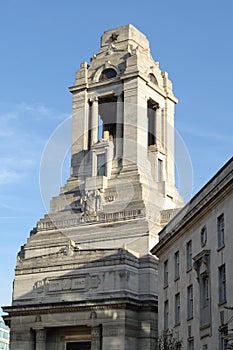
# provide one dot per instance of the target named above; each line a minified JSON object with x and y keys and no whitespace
{"x":108,"y":74}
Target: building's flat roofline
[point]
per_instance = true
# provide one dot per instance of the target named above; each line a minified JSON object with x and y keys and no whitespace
{"x":210,"y":190}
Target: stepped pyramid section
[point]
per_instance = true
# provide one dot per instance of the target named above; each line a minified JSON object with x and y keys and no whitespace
{"x":85,"y":278}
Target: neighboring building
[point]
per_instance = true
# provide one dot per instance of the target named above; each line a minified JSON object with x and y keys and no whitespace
{"x":4,"y":335}
{"x":85,"y":278}
{"x":196,"y":268}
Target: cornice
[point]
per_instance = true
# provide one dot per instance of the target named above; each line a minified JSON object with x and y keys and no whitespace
{"x":64,"y":307}
{"x":195,"y":209}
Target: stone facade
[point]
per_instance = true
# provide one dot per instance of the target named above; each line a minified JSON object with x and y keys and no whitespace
{"x":195,"y":265}
{"x":85,"y":278}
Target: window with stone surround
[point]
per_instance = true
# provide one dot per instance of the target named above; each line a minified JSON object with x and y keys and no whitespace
{"x":191,"y":344}
{"x":177,"y":309}
{"x":190,"y":301}
{"x":151,"y":121}
{"x":101,"y":164}
{"x":153,"y":79}
{"x":204,"y":300}
{"x":160,"y":170}
{"x":165,"y":273}
{"x":220,"y":228}
{"x":166,"y":314}
{"x":202,"y":267}
{"x":222,"y":284}
{"x":177,"y":265}
{"x":108,"y":73}
{"x":189,"y":255}
{"x":223,"y":332}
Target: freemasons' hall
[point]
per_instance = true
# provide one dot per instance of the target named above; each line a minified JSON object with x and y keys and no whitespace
{"x":85,"y":278}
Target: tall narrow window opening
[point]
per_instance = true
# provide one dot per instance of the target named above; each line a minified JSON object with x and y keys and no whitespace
{"x":166,"y":314}
{"x":220,"y":228}
{"x":100,"y":128}
{"x":165,"y":273}
{"x":190,"y":302}
{"x":108,"y":116}
{"x":151,"y":115}
{"x":177,"y":265}
{"x":177,"y":308}
{"x":222,"y":284}
{"x":101,"y":165}
{"x":191,"y":344}
{"x":204,"y":300}
{"x":189,"y":255}
{"x":160,"y":170}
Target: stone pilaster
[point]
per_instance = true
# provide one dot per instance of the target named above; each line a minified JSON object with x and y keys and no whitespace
{"x":96,"y":336}
{"x":40,"y":339}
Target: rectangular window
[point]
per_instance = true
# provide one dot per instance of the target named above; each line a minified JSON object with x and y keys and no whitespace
{"x":160,"y":170}
{"x":101,"y":165}
{"x":205,"y":300}
{"x":191,"y":344}
{"x":151,"y":124}
{"x":222,"y":284}
{"x":190,"y":302}
{"x":223,"y":337}
{"x":166,"y":313}
{"x":177,"y":265}
{"x":220,"y":228}
{"x":189,"y":255}
{"x":165,"y":273}
{"x":177,"y":308}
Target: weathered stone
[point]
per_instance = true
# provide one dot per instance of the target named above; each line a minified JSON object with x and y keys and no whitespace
{"x":85,"y":278}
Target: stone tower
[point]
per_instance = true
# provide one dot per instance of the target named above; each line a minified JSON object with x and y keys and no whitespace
{"x":85,"y":278}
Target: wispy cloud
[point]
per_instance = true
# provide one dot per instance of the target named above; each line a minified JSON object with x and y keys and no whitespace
{"x":207,"y":134}
{"x":16,"y":162}
{"x":23,"y":134}
{"x":9,"y":176}
{"x":41,"y":111}
{"x":9,"y":116}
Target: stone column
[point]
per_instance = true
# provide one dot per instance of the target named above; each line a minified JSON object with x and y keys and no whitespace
{"x":94,"y":121}
{"x":119,"y":127}
{"x":40,"y":339}
{"x":96,"y":338}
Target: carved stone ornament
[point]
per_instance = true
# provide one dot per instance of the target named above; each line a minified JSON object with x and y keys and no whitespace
{"x":113,"y":331}
{"x":95,"y":332}
{"x":72,"y":283}
{"x":202,"y":263}
{"x":114,"y":36}
{"x":40,"y":335}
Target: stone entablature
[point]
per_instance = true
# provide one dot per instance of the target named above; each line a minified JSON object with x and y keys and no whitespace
{"x":84,"y":274}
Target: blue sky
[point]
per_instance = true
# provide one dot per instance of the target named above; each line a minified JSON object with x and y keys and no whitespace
{"x":42,"y":45}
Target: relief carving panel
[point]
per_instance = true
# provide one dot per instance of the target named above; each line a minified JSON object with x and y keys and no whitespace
{"x":72,"y":283}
